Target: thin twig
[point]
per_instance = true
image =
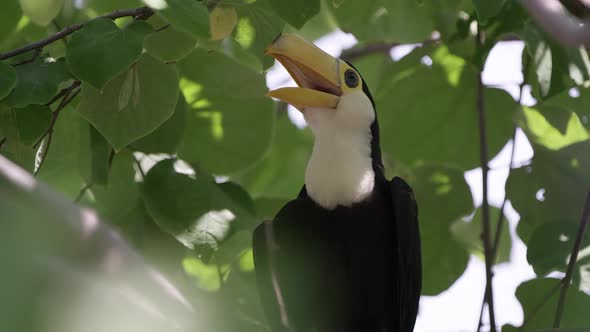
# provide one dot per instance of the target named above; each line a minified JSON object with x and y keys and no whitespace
{"x":64,"y":95}
{"x":483,"y":155}
{"x":501,"y":219}
{"x":533,"y":313}
{"x":139,"y":168}
{"x":68,"y":96}
{"x":31,"y":59}
{"x":82,"y":192}
{"x":139,"y":13}
{"x":162,"y":28}
{"x":2,"y":142}
{"x":572,"y":263}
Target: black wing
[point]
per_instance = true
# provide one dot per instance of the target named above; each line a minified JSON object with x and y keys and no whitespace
{"x":300,"y":271}
{"x":409,"y":253}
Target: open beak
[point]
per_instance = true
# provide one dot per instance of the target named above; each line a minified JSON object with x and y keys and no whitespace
{"x":316,"y":73}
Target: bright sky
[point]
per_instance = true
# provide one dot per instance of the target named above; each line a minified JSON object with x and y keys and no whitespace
{"x":457,"y":309}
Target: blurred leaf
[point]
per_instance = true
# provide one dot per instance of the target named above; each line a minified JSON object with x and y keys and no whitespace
{"x":257,"y":27}
{"x":443,"y":197}
{"x":107,"y":6}
{"x":386,"y":20}
{"x":539,"y":125}
{"x":557,"y":68}
{"x":41,"y":11}
{"x":207,"y":275}
{"x":169,"y":44}
{"x":550,"y":246}
{"x":440,"y":128}
{"x":37,"y":82}
{"x":267,"y":208}
{"x":95,"y":153}
{"x":296,"y":13}
{"x":167,"y":137}
{"x":223,"y":21}
{"x":9,"y":17}
{"x":281,"y":173}
{"x":233,"y":248}
{"x":230,"y":118}
{"x":188,"y":16}
{"x":487,"y":9}
{"x":552,"y":188}
{"x":197,"y":212}
{"x":533,"y":293}
{"x":470,"y":235}
{"x":100,"y":50}
{"x":158,"y":94}
{"x":117,"y":196}
{"x":7,"y":79}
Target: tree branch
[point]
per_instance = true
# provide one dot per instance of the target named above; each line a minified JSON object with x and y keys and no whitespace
{"x":552,"y":16}
{"x":354,"y":53}
{"x":138,"y":13}
{"x":483,"y":155}
{"x":572,"y":263}
{"x":49,"y":132}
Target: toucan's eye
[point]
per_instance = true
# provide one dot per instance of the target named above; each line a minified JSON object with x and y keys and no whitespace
{"x":351,"y":78}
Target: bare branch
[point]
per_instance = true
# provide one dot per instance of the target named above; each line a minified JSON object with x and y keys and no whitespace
{"x":572,"y":263}
{"x":375,"y":48}
{"x":139,"y":13}
{"x":485,"y":208}
{"x":552,"y":16}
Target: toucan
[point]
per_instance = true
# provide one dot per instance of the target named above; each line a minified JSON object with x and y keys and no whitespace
{"x":344,"y":255}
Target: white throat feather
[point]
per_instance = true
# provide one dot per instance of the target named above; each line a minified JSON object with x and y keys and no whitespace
{"x":340,"y":170}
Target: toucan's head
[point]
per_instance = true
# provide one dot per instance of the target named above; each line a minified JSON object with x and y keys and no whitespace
{"x":331,"y":93}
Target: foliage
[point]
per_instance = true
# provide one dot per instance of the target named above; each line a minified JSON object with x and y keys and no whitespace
{"x":156,"y":118}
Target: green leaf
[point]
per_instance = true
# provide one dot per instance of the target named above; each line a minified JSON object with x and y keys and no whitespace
{"x":439,"y":128}
{"x":296,"y":13}
{"x":108,"y":6}
{"x":257,"y":27}
{"x":95,"y":153}
{"x":552,"y":188}
{"x":557,"y":68}
{"x":386,"y":20}
{"x":9,"y":17}
{"x":469,"y":234}
{"x":539,"y":297}
{"x":229,"y":117}
{"x":197,"y":212}
{"x":281,"y":173}
{"x":41,"y":12}
{"x":60,"y":169}
{"x":37,"y":83}
{"x":487,"y":9}
{"x":550,"y":246}
{"x":443,"y":197}
{"x":7,"y":79}
{"x":22,"y":128}
{"x":167,"y":137}
{"x":100,"y":50}
{"x":152,"y":104}
{"x":538,"y":124}
{"x":185,"y":15}
{"x":117,"y":197}
{"x":169,"y":44}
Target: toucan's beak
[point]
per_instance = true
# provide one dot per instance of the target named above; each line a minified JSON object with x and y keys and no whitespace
{"x":316,"y":72}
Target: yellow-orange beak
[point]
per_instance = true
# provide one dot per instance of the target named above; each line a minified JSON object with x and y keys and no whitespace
{"x":316,"y":73}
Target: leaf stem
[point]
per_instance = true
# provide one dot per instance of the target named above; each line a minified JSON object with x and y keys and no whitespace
{"x":565,"y":282}
{"x":139,"y":13}
{"x":483,"y":155}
